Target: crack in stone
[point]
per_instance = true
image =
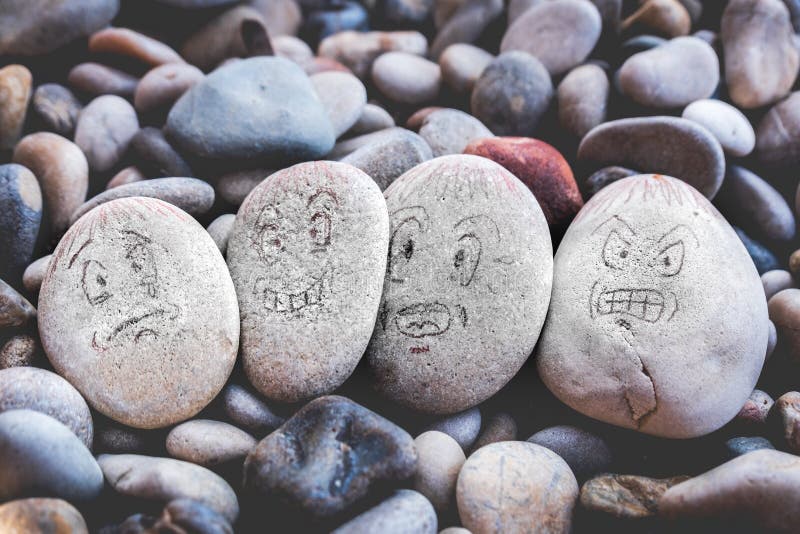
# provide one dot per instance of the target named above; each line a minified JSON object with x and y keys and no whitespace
{"x":640,"y":414}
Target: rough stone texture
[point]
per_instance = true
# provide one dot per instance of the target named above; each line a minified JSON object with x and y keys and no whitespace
{"x":462,"y":427}
{"x":743,"y":445}
{"x":129,"y":43}
{"x":761,"y":486}
{"x":784,"y":311}
{"x":583,"y":99}
{"x":156,"y":156}
{"x":98,"y":79}
{"x":514,"y":486}
{"x":220,"y":231}
{"x":31,"y":388}
{"x":729,"y":125}
{"x":449,"y":333}
{"x":247,"y":410}
{"x":303,"y":240}
{"x":56,"y":108}
{"x":262,"y":107}
{"x":776,"y":280}
{"x":191,"y":195}
{"x":626,"y":496}
{"x":755,"y":409}
{"x":19,"y":351}
{"x":405,"y":511}
{"x":668,"y":18}
{"x":62,"y":172}
{"x":139,"y":313}
{"x":761,"y":59}
{"x":209,"y":443}
{"x":20,"y":218}
{"x":462,"y":65}
{"x":673,"y":75}
{"x":586,"y":453}
{"x":406,"y":78}
{"x":500,"y":427}
{"x":512,"y":94}
{"x":104,"y":130}
{"x":541,"y":168}
{"x":449,"y":131}
{"x":41,"y":516}
{"x":357,"y":50}
{"x":666,"y":145}
{"x":40,"y":456}
{"x":163,"y":85}
{"x":15,"y":93}
{"x":778,"y":134}
{"x":787,"y":411}
{"x":15,"y":310}
{"x":389,"y":154}
{"x":165,"y":479}
{"x":560,"y":33}
{"x":33,"y":27}
{"x":343,"y":96}
{"x":329,"y":455}
{"x":650,"y":334}
{"x":439,"y":460}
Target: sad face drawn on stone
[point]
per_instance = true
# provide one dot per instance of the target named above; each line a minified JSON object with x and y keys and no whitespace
{"x":638,"y":270}
{"x":419,"y":264}
{"x":293,"y":236}
{"x":122,"y":284}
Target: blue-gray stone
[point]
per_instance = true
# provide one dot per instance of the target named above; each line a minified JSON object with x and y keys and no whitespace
{"x":20,"y":218}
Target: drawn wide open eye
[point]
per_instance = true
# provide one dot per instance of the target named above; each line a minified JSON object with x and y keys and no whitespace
{"x":670,"y":260}
{"x":402,"y":247}
{"x":616,"y":251}
{"x":320,"y":229}
{"x":95,"y":282}
{"x":466,"y":258}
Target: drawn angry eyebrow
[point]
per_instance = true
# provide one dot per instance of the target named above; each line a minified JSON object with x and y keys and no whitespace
{"x":614,"y":220}
{"x":418,"y":213}
{"x":78,"y":253}
{"x":680,"y":229}
{"x":326,"y":192}
{"x":477,"y":219}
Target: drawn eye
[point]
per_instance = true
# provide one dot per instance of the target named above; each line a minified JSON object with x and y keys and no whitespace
{"x":402,"y":247}
{"x":95,"y":282}
{"x":141,"y":259}
{"x":466,"y":258}
{"x":616,"y":251}
{"x":320,"y":229}
{"x":670,"y":260}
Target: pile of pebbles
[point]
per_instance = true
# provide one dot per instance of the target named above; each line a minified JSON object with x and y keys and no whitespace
{"x":399,"y":266}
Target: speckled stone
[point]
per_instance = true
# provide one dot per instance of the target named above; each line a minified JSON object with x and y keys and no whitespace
{"x":247,"y":410}
{"x":15,"y":310}
{"x":15,"y":93}
{"x":31,"y":388}
{"x":389,"y":153}
{"x":209,"y":443}
{"x":516,"y":486}
{"x":41,"y":516}
{"x":343,"y":96}
{"x":56,"y":108}
{"x":462,"y":65}
{"x":165,"y":479}
{"x":405,"y":511}
{"x":19,"y":351}
{"x":20,"y":218}
{"x":141,"y":280}
{"x":586,"y":453}
{"x":729,"y":125}
{"x":778,"y":133}
{"x":743,"y":445}
{"x":626,"y":496}
{"x":653,"y":239}
{"x":220,"y":230}
{"x":104,"y":130}
{"x":449,"y":334}
{"x":449,"y":131}
{"x":163,"y":85}
{"x":329,"y":455}
{"x":439,"y":460}
{"x":583,"y":99}
{"x":462,"y":427}
{"x":132,"y":44}
{"x":41,"y":456}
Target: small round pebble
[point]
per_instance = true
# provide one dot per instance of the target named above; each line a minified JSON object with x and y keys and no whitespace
{"x":406,"y":78}
{"x":34,"y":273}
{"x":209,"y":443}
{"x":784,"y":311}
{"x":15,"y":310}
{"x":742,"y":445}
{"x":462,"y":427}
{"x":625,"y":496}
{"x":246,"y":409}
{"x":786,"y":410}
{"x":104,"y":130}
{"x":96,"y":79}
{"x":775,"y":281}
{"x":500,"y":427}
{"x":155,"y":155}
{"x":388,"y":154}
{"x":778,"y":133}
{"x":663,"y":17}
{"x":41,"y":516}
{"x":128,"y":175}
{"x":449,"y":131}
{"x":462,"y":65}
{"x":129,"y":43}
{"x":583,"y":99}
{"x":15,"y":93}
{"x":235,"y":186}
{"x":586,"y":453}
{"x":163,"y":85}
{"x":729,"y":125}
{"x":20,"y":219}
{"x":439,"y":460}
{"x":57,"y":108}
{"x":220,"y":230}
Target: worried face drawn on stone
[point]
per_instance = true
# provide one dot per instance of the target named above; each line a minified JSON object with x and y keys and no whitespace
{"x":638,"y":269}
{"x":293,"y":238}
{"x":130,"y":292}
{"x":414,"y":256}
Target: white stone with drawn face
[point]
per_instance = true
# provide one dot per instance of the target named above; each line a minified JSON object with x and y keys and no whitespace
{"x":467,"y":284}
{"x":307,"y":255}
{"x":137,"y":311}
{"x":658,"y":320}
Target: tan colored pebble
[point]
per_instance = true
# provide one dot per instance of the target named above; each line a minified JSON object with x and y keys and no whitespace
{"x":125,"y":42}
{"x":128,"y":175}
{"x":664,"y":17}
{"x":34,"y":273}
{"x":787,"y":408}
{"x":625,"y":496}
{"x":163,"y":85}
{"x":41,"y":516}
{"x":209,"y":443}
{"x":15,"y":93}
{"x":439,"y":460}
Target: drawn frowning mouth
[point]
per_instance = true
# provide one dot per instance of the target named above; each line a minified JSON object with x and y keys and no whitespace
{"x":285,"y":302}
{"x":137,"y":327}
{"x":649,"y":305}
{"x":424,"y":319}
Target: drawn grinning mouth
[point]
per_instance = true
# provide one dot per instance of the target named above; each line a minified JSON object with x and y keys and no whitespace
{"x":284,"y":302}
{"x":649,"y":305}
{"x":424,"y":319}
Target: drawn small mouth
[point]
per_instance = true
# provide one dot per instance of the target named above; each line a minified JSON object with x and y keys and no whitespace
{"x":138,"y":327}
{"x":284,"y":302}
{"x":646,"y":304}
{"x":424,"y":319}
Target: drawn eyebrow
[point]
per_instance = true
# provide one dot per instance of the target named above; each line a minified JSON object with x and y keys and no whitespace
{"x":677,"y":228}
{"x":615,"y":220}
{"x":81,"y":249}
{"x":477,"y":219}
{"x":419,"y":213}
{"x":327,"y":192}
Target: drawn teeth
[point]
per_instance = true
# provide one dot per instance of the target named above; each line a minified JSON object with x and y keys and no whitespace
{"x":646,"y":304}
{"x":291,"y":302}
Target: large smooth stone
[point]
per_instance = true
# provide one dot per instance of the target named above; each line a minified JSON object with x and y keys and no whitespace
{"x":303,"y":241}
{"x":33,"y":27}
{"x":20,"y":217}
{"x":761,"y":487}
{"x":262,"y":107}
{"x":778,"y":134}
{"x":467,"y":284}
{"x":406,"y":78}
{"x":665,"y":145}
{"x":560,"y":33}
{"x":672,"y":75}
{"x":729,"y":125}
{"x":41,"y":457}
{"x":31,"y":388}
{"x":41,"y":516}
{"x":645,"y":330}
{"x":329,"y":455}
{"x":139,"y":313}
{"x":761,"y":58}
{"x":165,"y":479}
{"x":405,"y":511}
{"x":515,"y":486}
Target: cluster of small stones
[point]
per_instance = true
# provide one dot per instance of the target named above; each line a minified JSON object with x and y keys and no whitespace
{"x":399,"y":266}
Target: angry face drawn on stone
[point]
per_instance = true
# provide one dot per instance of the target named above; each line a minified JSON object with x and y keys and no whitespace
{"x":130,"y":291}
{"x":635,"y":284}
{"x":292,"y":236}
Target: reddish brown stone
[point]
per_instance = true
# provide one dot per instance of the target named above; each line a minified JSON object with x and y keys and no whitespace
{"x":787,"y":411}
{"x":541,"y":167}
{"x":755,"y":409}
{"x":133,"y":44}
{"x":323,"y":64}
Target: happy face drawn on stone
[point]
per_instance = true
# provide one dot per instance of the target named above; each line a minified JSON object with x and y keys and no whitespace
{"x":130,"y":291}
{"x":292,"y":236}
{"x":638,"y":272}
